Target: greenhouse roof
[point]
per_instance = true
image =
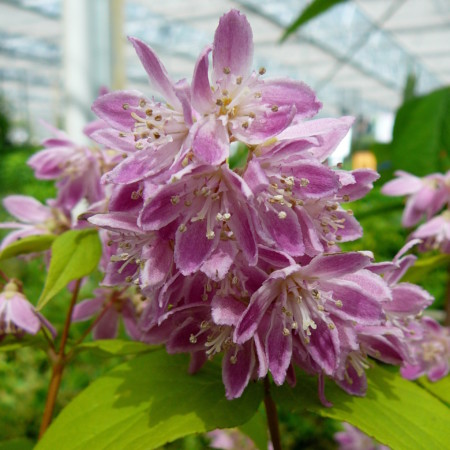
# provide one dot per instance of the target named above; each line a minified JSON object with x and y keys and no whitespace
{"x":357,"y":55}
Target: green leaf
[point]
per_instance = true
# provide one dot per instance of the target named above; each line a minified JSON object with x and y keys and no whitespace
{"x":12,"y":343}
{"x":440,"y":389}
{"x":238,"y":155}
{"x":17,"y":444}
{"x":29,"y":244}
{"x":146,"y":402}
{"x":117,"y":347}
{"x":256,"y":429}
{"x":421,"y":135}
{"x":314,"y":9}
{"x":75,"y":254}
{"x":395,"y":411}
{"x":424,"y":266}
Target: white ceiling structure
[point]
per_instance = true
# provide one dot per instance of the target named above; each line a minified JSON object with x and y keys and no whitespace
{"x":356,"y":56}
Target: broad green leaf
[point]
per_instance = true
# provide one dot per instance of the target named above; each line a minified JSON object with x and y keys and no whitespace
{"x":314,"y":9}
{"x":146,"y":402}
{"x":256,"y":429}
{"x":29,"y":244}
{"x":421,"y":137}
{"x":17,"y":444}
{"x":395,"y":411}
{"x":424,"y":266}
{"x":75,"y":254}
{"x":440,"y":389}
{"x":117,"y":347}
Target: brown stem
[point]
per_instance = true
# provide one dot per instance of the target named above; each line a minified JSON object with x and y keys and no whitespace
{"x":272,"y":416}
{"x":58,"y":366}
{"x":4,"y":276}
{"x":88,"y":330}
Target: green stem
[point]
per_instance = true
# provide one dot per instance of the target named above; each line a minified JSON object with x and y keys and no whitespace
{"x":59,"y":364}
{"x":272,"y":416}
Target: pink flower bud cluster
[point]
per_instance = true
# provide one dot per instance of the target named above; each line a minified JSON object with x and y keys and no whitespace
{"x":427,"y":197}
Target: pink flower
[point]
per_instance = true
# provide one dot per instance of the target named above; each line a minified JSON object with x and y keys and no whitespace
{"x":426,"y":196}
{"x":238,"y":104}
{"x":430,"y":345}
{"x":209,"y":207}
{"x":35,"y":218}
{"x":110,"y":304}
{"x":77,"y":169}
{"x":152,"y":134}
{"x":354,"y":439}
{"x":17,"y":314}
{"x":306,"y":307}
{"x":435,"y":233}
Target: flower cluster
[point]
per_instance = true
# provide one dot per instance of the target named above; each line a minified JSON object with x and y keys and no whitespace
{"x":211,"y":257}
{"x":427,"y":197}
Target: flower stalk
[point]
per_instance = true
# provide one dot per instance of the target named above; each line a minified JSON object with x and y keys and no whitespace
{"x":272,"y":416}
{"x":59,"y":363}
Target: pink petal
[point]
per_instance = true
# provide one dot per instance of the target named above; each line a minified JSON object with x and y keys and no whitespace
{"x":158,"y":261}
{"x":358,"y":384}
{"x":27,"y":209}
{"x":289,"y":92}
{"x":286,"y":233}
{"x":438,"y":371}
{"x":233,"y":45}
{"x":160,"y":210}
{"x":404,"y":185}
{"x":87,"y":308}
{"x":279,"y":350}
{"x":259,"y":302}
{"x":335,"y":265}
{"x":116,"y":221}
{"x":322,"y":181}
{"x":114,"y":108}
{"x":226,"y":310}
{"x":110,"y":138}
{"x":159,"y":79}
{"x":22,"y":314}
{"x":192,"y":247}
{"x":265,"y":125}
{"x":202,"y":99}
{"x":219,"y":263}
{"x":255,"y":177}
{"x":356,"y":305}
{"x":130,"y":320}
{"x":107,"y":326}
{"x":236,"y":375}
{"x":408,"y":299}
{"x":324,"y":347}
{"x":241,"y":225}
{"x":48,"y":164}
{"x":211,"y":143}
{"x":182,"y":90}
